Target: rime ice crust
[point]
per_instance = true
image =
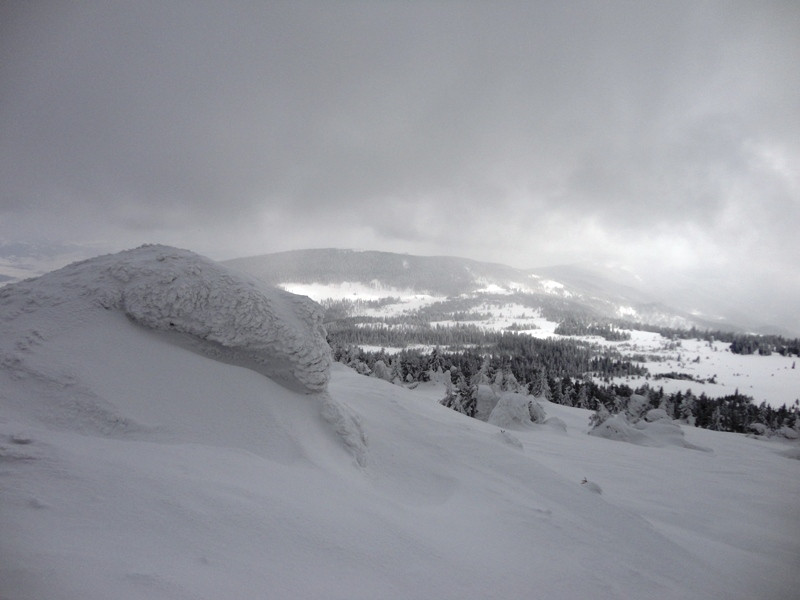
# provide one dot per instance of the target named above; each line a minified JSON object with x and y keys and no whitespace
{"x":220,"y":312}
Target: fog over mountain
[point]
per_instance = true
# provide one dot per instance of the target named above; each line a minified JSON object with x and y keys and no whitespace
{"x":678,"y":302}
{"x":606,"y":292}
{"x":659,"y":137}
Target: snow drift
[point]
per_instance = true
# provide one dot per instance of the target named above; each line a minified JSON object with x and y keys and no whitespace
{"x":641,"y":425}
{"x":221,"y":313}
{"x":515,"y":411}
{"x":110,"y":332}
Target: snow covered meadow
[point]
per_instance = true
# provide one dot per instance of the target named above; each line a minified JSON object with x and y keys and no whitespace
{"x":170,"y":428}
{"x":714,"y":369}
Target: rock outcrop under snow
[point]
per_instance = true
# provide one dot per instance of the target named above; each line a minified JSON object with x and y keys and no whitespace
{"x":211,"y":309}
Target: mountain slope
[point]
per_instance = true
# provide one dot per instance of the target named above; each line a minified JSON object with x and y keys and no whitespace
{"x":136,"y":465}
{"x":577,"y":289}
{"x":437,"y":275}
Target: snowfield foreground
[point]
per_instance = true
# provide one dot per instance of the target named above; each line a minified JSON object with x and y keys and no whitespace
{"x":172,"y":429}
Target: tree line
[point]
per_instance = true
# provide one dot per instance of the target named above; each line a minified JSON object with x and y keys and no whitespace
{"x":740,"y":343}
{"x":578,"y":327}
{"x":558,"y":370}
{"x":524,"y":353}
{"x":573,"y":320}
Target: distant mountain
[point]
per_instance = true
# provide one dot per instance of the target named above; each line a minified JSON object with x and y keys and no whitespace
{"x":436,"y":275}
{"x":21,"y":260}
{"x":606,"y":291}
{"x":601,"y":284}
{"x":584,"y":290}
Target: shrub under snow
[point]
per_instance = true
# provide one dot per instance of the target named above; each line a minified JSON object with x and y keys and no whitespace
{"x":516,"y":410}
{"x":660,"y":432}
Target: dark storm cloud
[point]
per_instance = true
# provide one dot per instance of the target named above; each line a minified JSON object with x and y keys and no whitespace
{"x":525,"y":132}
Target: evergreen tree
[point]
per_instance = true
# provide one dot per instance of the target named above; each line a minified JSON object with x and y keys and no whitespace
{"x":583,"y":398}
{"x":436,"y":363}
{"x":504,"y":379}
{"x":483,"y":376}
{"x":397,"y":371}
{"x":461,"y":397}
{"x":686,"y":408}
{"x":381,"y":371}
{"x":539,"y":386}
{"x":557,"y":394}
{"x":537,"y":412}
{"x":599,"y":416}
{"x":467,"y":394}
{"x":451,"y":399}
{"x":716,"y":420}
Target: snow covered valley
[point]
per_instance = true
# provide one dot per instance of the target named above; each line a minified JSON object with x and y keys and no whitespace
{"x":173,"y":429}
{"x":705,"y":367}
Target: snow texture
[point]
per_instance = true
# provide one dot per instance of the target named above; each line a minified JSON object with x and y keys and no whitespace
{"x":348,"y":426}
{"x":218,"y":312}
{"x":510,"y":439}
{"x":591,"y":486}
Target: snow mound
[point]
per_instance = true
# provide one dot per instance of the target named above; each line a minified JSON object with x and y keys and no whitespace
{"x":791,"y":453}
{"x":617,"y":427}
{"x":218,"y":312}
{"x":656,"y":414}
{"x":516,"y":411}
{"x":485,"y":401}
{"x":658,"y":433}
{"x":556,"y":424}
{"x":347,"y":426}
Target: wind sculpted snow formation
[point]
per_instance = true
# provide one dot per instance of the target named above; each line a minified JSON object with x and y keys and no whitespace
{"x":193,"y":303}
{"x":220,"y":313}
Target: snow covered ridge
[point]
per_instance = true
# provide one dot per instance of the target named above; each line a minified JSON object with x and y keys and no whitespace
{"x":219,"y":312}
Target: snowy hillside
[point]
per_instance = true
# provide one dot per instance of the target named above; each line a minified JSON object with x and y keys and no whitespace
{"x":435,"y":275}
{"x":385,"y":274}
{"x":170,"y":428}
{"x":381,"y":289}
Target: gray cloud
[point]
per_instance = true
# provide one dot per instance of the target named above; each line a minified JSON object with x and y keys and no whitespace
{"x":526,"y":133}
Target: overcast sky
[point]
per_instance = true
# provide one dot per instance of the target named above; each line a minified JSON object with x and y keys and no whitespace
{"x":664,"y":136}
